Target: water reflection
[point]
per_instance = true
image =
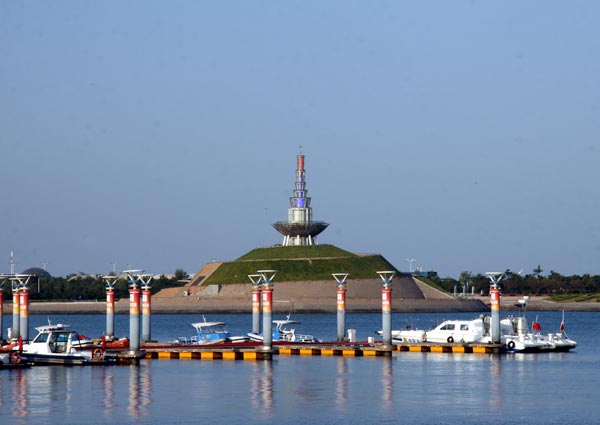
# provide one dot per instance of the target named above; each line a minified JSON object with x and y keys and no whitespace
{"x":108,"y":391}
{"x":262,"y":388}
{"x":341,"y":381}
{"x":140,"y":391}
{"x":495,"y":391}
{"x":387,"y":382}
{"x":19,"y":388}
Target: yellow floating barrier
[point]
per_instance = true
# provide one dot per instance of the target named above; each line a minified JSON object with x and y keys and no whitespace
{"x":232,"y":355}
{"x":211,"y":355}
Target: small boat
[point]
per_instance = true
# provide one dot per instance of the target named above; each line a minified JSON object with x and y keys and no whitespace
{"x":283,"y":331}
{"x":57,"y":345}
{"x":519,"y":338}
{"x":449,"y":331}
{"x":514,"y":334}
{"x":212,"y":333}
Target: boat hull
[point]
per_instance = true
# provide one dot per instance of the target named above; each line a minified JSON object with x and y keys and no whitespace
{"x":61,"y":359}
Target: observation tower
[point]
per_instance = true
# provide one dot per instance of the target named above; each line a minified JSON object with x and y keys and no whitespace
{"x":300,"y":230}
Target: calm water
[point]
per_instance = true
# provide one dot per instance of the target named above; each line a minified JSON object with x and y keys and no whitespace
{"x":411,"y":388}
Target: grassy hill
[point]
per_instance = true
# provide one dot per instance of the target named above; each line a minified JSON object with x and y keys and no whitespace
{"x":300,"y":263}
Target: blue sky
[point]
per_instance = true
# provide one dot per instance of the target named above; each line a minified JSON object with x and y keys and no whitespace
{"x":462,"y":134}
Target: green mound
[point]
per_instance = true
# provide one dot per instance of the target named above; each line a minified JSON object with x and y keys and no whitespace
{"x":299,"y":263}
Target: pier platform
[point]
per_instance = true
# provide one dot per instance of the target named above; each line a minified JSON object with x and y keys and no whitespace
{"x":252,"y":351}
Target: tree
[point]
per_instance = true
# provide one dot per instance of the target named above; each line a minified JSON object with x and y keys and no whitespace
{"x":181,"y":274}
{"x":538,"y":272}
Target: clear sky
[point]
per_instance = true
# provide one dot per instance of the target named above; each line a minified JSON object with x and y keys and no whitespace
{"x":463,"y":134}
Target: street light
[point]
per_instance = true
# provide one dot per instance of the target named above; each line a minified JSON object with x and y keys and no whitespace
{"x":410,"y":261}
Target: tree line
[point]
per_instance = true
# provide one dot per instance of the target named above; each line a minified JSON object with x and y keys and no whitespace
{"x":534,"y":283}
{"x":85,"y":287}
{"x":73,"y":288}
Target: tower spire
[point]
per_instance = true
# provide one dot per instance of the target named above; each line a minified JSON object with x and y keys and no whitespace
{"x":300,"y":229}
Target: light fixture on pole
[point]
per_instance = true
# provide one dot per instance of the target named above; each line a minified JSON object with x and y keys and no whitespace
{"x":410,"y":262}
{"x":340,"y":278}
{"x":386,"y":307}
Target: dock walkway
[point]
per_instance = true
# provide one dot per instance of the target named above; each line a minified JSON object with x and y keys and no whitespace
{"x":254,"y":352}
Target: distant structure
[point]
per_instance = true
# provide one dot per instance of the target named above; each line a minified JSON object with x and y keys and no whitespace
{"x":300,"y":230}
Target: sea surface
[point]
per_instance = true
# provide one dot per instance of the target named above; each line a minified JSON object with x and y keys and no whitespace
{"x":407,"y":388}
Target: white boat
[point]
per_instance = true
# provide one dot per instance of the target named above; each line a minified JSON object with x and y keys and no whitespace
{"x":283,"y":331}
{"x":449,"y":331}
{"x":56,"y":344}
{"x":518,"y":337}
{"x":514,"y":333}
{"x":212,"y":333}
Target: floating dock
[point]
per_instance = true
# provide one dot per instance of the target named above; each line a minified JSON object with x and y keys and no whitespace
{"x":253,"y":352}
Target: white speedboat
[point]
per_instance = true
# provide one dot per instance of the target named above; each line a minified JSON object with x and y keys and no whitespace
{"x":56,"y":344}
{"x":518,"y":337}
{"x":212,"y":333}
{"x":283,"y":331}
{"x":514,"y":333}
{"x":449,"y":331}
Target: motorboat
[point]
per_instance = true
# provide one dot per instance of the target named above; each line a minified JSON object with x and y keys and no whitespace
{"x":57,"y":345}
{"x":515,"y":333}
{"x":284,"y":330}
{"x":449,"y":331}
{"x":212,"y":333}
{"x":519,"y":337}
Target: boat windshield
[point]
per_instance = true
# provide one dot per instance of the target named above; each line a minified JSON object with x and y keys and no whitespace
{"x":42,"y":337}
{"x":214,"y":329}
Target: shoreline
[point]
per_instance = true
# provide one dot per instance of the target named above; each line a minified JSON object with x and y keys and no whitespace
{"x":192,"y":305}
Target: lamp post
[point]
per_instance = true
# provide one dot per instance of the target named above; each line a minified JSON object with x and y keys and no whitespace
{"x":340,"y":279}
{"x":386,"y":307}
{"x":14,"y":334}
{"x":110,"y":305}
{"x":267,"y":305}
{"x":134,"y":309}
{"x":256,"y":280}
{"x":410,"y":261}
{"x":495,"y":278}
{"x":146,"y":306}
{"x":1,"y":303}
{"x":21,"y":293}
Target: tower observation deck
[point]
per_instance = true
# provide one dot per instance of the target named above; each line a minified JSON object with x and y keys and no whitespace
{"x":300,"y":229}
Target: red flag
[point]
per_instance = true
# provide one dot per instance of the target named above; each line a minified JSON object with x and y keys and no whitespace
{"x":536,"y":326}
{"x":562,"y":326}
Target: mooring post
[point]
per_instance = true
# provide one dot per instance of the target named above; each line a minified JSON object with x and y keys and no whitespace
{"x":1,"y":309}
{"x":267,"y":305}
{"x":14,"y":335}
{"x":340,"y":279}
{"x":24,"y":311}
{"x":386,"y":307}
{"x":110,"y":306}
{"x":256,"y":280}
{"x":146,"y":307}
{"x":495,"y":278}
{"x":134,"y":309}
